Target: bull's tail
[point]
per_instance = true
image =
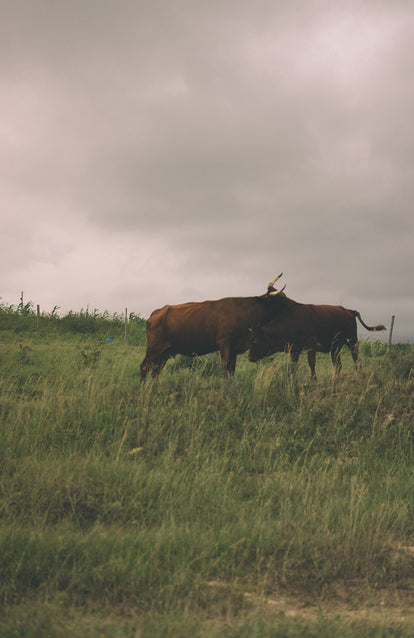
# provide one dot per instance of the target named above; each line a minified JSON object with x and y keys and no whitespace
{"x":372,"y":328}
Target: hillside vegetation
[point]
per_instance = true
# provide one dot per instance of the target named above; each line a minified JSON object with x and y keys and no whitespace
{"x":264,"y":506}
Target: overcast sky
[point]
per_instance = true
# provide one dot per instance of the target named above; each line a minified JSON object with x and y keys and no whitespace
{"x":161,"y":151}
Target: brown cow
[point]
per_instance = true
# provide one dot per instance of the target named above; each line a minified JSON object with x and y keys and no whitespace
{"x":300,"y":327}
{"x":197,"y":328}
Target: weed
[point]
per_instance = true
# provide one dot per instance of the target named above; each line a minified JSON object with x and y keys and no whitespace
{"x":24,"y":353}
{"x":90,"y":355}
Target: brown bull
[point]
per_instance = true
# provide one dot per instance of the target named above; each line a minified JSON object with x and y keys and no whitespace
{"x":197,"y":328}
{"x":300,"y":327}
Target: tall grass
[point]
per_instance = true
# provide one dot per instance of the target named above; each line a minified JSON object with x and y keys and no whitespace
{"x":180,"y":507}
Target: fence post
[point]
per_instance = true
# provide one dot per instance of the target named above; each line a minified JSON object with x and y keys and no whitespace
{"x":126,"y":326}
{"x":38,"y":321}
{"x":391,"y":329}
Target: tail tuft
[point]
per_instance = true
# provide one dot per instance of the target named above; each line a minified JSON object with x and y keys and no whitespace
{"x":371,"y":328}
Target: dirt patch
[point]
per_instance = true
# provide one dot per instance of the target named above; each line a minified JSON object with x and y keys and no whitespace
{"x":342,"y":602}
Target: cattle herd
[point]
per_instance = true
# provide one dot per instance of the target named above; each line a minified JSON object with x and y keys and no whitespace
{"x":263,"y":325}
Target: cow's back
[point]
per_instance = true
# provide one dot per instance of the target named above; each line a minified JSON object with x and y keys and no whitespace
{"x":189,"y":328}
{"x":199,"y":327}
{"x":307,"y":324}
{"x":328,"y":322}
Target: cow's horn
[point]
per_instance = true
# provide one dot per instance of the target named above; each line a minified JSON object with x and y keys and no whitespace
{"x":276,"y":292}
{"x":275,"y":279}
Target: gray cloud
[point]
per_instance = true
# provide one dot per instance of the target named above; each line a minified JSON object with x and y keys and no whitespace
{"x":218,"y":143}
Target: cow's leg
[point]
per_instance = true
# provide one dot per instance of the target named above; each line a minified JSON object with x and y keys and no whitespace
{"x":294,"y":358}
{"x":352,"y":343}
{"x":231,"y":364}
{"x":336,"y":358}
{"x":158,"y":366}
{"x":312,"y":362}
{"x":336,"y":347}
{"x":145,"y":366}
{"x":355,"y":352}
{"x":225,"y":358}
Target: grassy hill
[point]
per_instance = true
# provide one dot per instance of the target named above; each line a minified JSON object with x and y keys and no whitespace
{"x":265,"y":506}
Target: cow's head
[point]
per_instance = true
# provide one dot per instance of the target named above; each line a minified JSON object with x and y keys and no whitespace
{"x":258,"y":345}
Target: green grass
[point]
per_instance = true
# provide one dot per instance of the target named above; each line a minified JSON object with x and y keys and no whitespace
{"x":265,"y":506}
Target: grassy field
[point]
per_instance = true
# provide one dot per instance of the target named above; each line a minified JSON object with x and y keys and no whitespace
{"x":266,"y":506}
